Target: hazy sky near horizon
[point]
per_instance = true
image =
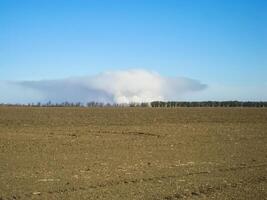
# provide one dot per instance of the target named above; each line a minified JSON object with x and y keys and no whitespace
{"x":221,"y":44}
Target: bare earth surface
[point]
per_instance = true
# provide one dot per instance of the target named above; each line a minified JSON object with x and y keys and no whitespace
{"x":133,"y":153}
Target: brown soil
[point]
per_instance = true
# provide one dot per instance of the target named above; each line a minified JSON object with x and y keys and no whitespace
{"x":133,"y":153}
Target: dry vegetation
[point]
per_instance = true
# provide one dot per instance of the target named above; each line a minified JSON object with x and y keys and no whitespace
{"x":133,"y":153}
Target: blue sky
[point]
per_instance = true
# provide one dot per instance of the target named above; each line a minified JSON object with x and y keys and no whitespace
{"x":221,"y":43}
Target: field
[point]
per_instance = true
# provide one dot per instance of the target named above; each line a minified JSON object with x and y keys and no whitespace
{"x":133,"y":153}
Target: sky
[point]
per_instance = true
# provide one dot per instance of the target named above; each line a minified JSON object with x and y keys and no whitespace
{"x":219,"y":47}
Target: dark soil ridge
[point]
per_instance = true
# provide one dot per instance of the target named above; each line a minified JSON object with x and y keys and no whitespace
{"x":138,"y":133}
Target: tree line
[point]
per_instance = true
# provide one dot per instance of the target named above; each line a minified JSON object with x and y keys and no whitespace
{"x":154,"y":104}
{"x":209,"y":104}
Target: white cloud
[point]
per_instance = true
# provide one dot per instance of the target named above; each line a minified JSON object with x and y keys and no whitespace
{"x":115,"y":86}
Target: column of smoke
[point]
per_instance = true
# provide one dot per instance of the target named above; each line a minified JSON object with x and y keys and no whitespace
{"x":120,"y":87}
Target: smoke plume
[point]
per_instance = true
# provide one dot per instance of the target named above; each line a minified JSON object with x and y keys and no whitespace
{"x":114,"y":87}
